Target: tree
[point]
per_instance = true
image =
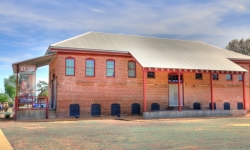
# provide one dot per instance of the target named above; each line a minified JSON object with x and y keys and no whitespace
{"x":241,"y":46}
{"x":4,"y":97}
{"x":10,"y":86}
{"x":43,"y":88}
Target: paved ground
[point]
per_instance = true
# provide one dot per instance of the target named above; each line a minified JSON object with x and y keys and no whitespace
{"x":130,"y":133}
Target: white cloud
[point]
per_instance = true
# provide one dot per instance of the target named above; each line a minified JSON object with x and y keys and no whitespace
{"x":33,"y":25}
{"x":97,"y":10}
{"x":158,"y":17}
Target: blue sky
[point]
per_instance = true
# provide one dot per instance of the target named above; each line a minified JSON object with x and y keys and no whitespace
{"x":28,"y":27}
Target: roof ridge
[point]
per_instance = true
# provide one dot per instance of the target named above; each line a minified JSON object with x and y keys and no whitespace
{"x":151,"y":37}
{"x":230,"y":51}
{"x":71,"y":38}
{"x":212,"y":45}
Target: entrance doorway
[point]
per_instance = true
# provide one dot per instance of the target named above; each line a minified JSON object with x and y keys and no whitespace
{"x":53,"y":95}
{"x":173,"y":89}
{"x":173,"y":95}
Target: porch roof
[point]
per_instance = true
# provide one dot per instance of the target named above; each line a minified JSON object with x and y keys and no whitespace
{"x":38,"y":61}
{"x":157,"y":52}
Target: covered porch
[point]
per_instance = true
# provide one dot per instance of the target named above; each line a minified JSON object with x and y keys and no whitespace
{"x":181,"y":109}
{"x":27,"y":104}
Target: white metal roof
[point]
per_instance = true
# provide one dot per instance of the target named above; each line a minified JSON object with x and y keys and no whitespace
{"x":158,"y":52}
{"x":38,"y":61}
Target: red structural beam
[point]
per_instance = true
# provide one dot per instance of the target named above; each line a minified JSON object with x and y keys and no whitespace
{"x":212,"y":90}
{"x":244,"y":91}
{"x":192,"y":71}
{"x":144,"y":90}
{"x":179,"y":91}
{"x":47,"y":108}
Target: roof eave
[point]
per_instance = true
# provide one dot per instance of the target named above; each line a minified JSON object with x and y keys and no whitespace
{"x":56,"y":48}
{"x":14,"y":65}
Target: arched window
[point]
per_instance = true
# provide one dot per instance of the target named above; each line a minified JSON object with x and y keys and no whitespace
{"x":115,"y":109}
{"x":197,"y":106}
{"x":155,"y":107}
{"x":90,"y":67}
{"x":70,"y":66}
{"x":239,"y":105}
{"x":131,"y":69}
{"x":95,"y":110}
{"x":74,"y":110}
{"x":210,"y":105}
{"x":226,"y":106}
{"x":110,"y":68}
{"x":136,"y":109}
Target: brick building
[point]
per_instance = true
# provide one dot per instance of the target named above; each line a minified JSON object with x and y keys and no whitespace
{"x":110,"y":74}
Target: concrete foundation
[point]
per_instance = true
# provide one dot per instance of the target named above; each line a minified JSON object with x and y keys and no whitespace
{"x":192,"y":113}
{"x":30,"y":114}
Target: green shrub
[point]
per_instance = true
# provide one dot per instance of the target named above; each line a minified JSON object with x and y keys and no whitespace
{"x":7,"y":115}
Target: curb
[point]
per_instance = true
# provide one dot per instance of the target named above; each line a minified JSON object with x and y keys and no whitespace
{"x":5,"y":144}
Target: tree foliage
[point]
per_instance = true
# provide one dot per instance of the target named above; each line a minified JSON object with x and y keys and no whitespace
{"x":43,"y":88}
{"x":10,"y":86}
{"x":4,"y":97}
{"x":241,"y":46}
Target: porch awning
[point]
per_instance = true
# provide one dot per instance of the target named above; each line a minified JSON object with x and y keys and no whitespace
{"x":38,"y":62}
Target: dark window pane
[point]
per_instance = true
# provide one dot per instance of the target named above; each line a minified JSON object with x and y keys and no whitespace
{"x":135,"y":109}
{"x":90,"y":63}
{"x":69,"y":71}
{"x":110,"y":73}
{"x":74,"y":109}
{"x":155,"y":106}
{"x":215,"y":77}
{"x":131,"y":69}
{"x":240,"y":77}
{"x":174,"y":78}
{"x":115,"y":109}
{"x":110,"y":65}
{"x":151,"y":74}
{"x":198,"y":76}
{"x":131,"y":73}
{"x":90,"y":68}
{"x":70,"y":66}
{"x":228,"y":77}
{"x":89,"y":71}
{"x":131,"y":65}
{"x":196,"y":106}
{"x":70,"y":62}
{"x":95,"y":110}
{"x":239,"y":105}
{"x":226,"y":106}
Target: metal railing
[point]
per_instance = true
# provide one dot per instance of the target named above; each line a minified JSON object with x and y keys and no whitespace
{"x":31,"y":103}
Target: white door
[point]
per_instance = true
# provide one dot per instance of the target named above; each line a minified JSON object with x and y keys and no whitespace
{"x":173,"y":95}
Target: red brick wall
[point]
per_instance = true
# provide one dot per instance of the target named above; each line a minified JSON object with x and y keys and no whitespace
{"x":224,"y":91}
{"x":100,"y":89}
{"x":125,"y":91}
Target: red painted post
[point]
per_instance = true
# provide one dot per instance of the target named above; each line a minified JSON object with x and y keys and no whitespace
{"x":179,"y":91}
{"x":16,"y":105}
{"x":47,"y":108}
{"x":32,"y":102}
{"x":244,"y":90}
{"x":212,"y":90}
{"x":144,"y":90}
